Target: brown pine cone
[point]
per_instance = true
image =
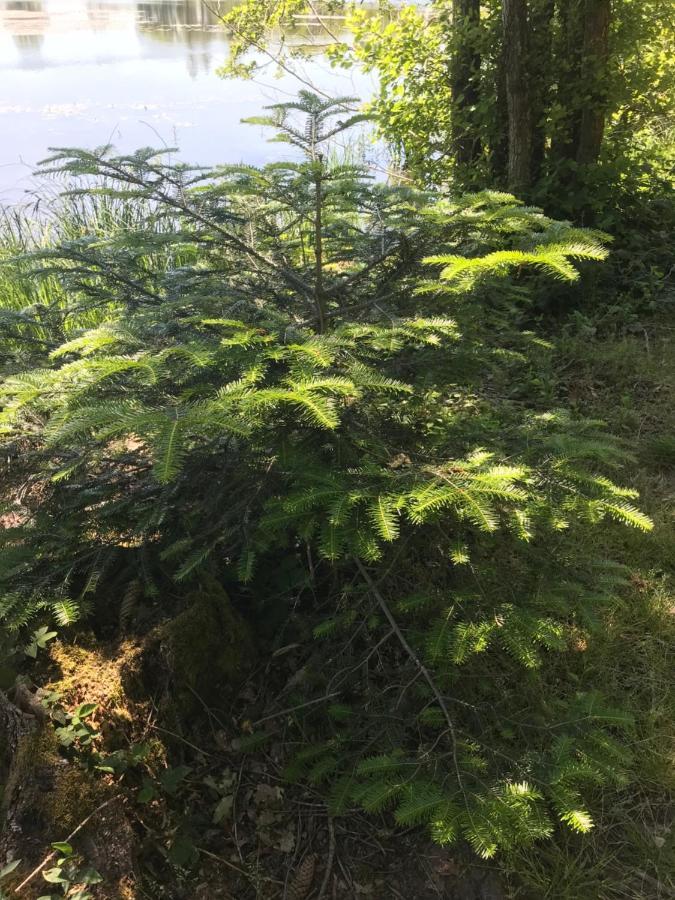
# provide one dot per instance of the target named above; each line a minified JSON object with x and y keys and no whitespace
{"x":302,"y":881}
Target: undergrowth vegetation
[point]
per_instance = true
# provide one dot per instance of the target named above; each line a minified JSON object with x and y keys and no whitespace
{"x":340,"y":399}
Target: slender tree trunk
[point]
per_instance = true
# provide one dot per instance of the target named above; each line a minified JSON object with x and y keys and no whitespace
{"x":465,"y":69}
{"x":568,"y":46}
{"x":514,"y":13}
{"x":597,"y":14}
{"x":499,"y":142}
{"x":319,"y":297}
{"x":542,"y":13}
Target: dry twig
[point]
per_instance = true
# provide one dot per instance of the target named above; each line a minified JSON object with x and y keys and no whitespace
{"x":329,"y":860}
{"x":72,"y":834}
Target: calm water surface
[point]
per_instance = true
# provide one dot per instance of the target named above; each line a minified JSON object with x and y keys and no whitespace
{"x":85,"y":73}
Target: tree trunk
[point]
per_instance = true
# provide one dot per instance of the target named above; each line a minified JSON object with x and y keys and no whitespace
{"x":465,"y":69}
{"x":45,"y":797}
{"x":542,"y":13}
{"x":568,"y":46}
{"x":16,"y":731}
{"x":499,"y":142}
{"x":319,"y":298}
{"x":597,"y":14}
{"x":514,"y":15}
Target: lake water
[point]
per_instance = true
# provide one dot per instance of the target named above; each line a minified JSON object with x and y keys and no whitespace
{"x":90,"y":72}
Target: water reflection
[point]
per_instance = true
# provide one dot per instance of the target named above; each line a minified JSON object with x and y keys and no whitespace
{"x":89,"y":72}
{"x":187,"y":24}
{"x":174,"y":19}
{"x":26,"y":22}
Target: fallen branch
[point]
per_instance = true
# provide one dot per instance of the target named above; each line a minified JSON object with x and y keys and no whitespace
{"x":283,"y":712}
{"x":72,"y":834}
{"x":230,"y":865}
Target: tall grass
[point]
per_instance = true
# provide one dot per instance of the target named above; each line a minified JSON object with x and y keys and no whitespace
{"x":38,"y":308}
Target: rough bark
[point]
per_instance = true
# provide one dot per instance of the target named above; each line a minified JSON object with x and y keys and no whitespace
{"x":465,"y":68}
{"x":16,"y":732}
{"x":514,"y":15}
{"x":44,"y":798}
{"x":595,"y":55}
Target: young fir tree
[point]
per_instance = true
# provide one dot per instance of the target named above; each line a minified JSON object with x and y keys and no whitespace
{"x":296,"y":377}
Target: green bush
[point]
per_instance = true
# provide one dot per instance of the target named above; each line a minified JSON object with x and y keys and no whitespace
{"x":311,"y":385}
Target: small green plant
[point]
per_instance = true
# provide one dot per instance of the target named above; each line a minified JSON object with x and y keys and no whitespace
{"x":169,"y":782}
{"x":5,"y":872}
{"x":74,"y":729}
{"x":39,"y":640}
{"x":119,"y":762}
{"x":70,"y":876}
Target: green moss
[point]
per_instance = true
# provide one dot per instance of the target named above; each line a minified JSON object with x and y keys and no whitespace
{"x":54,"y":795}
{"x":76,"y":793}
{"x":209,"y":647}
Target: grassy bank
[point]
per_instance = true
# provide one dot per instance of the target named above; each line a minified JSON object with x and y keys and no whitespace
{"x":629,"y":381}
